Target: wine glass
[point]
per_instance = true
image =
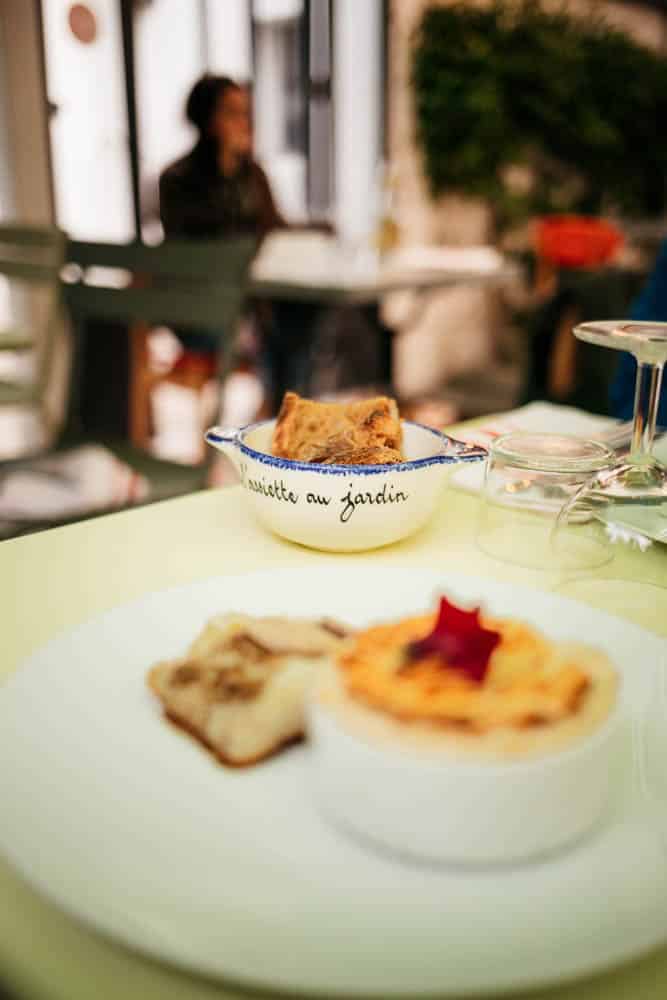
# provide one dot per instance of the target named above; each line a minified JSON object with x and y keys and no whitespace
{"x":629,"y":498}
{"x":640,"y":477}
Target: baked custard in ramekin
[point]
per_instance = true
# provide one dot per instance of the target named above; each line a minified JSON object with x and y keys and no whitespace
{"x":465,"y":738}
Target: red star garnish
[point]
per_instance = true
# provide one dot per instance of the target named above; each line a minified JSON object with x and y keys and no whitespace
{"x":460,"y":640}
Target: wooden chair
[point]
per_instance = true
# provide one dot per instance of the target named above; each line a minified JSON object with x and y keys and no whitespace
{"x":31,"y":259}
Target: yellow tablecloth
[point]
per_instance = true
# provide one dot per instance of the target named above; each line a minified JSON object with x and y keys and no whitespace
{"x":50,"y":581}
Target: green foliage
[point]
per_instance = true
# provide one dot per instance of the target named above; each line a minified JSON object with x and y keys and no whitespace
{"x":575,"y":101}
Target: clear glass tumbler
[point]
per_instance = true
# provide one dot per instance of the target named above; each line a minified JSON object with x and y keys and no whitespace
{"x":529,"y":477}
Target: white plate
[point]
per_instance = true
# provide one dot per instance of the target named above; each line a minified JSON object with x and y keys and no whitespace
{"x":128,"y":825}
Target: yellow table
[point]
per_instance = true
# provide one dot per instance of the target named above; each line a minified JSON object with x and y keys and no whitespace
{"x":50,"y":581}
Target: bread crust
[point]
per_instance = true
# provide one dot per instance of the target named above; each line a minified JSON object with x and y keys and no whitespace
{"x":366,"y":432}
{"x":240,"y":690}
{"x":219,"y":756}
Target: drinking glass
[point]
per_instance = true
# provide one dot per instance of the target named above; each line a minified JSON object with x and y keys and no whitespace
{"x":629,"y":498}
{"x":529,"y":478}
{"x":638,"y":478}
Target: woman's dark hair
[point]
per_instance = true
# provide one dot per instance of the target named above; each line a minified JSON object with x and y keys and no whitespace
{"x":203,"y":99}
{"x":199,"y":109}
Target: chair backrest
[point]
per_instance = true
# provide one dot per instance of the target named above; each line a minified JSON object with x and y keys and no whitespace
{"x":197,"y":284}
{"x":31,"y":253}
{"x":31,"y":260}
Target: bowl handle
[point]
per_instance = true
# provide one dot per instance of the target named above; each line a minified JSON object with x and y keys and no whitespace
{"x":226,"y":440}
{"x":463,"y":452}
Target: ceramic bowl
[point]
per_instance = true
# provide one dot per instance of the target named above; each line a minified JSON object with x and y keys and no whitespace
{"x":432,"y":806}
{"x":342,"y":508}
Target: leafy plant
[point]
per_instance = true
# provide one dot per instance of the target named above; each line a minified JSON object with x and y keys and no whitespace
{"x":539,"y":111}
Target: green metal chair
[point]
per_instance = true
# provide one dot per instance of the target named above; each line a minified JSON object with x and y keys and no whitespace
{"x":31,"y":260}
{"x":180,"y":283}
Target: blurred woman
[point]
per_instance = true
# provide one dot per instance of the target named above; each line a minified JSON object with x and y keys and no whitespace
{"x":219,"y":190}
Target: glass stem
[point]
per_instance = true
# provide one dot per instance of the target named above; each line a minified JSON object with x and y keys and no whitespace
{"x":647,"y":396}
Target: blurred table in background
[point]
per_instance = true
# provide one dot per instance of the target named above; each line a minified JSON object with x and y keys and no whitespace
{"x":316,"y":268}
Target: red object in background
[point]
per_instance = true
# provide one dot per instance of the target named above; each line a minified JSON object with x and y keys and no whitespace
{"x":576,"y":240}
{"x":197,"y":363}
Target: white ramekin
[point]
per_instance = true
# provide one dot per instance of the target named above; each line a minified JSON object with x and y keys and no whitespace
{"x":432,"y":805}
{"x":342,"y":508}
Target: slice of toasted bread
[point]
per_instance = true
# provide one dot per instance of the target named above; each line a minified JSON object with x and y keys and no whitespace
{"x":367,"y":432}
{"x":339,"y":451}
{"x":241,"y":688}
